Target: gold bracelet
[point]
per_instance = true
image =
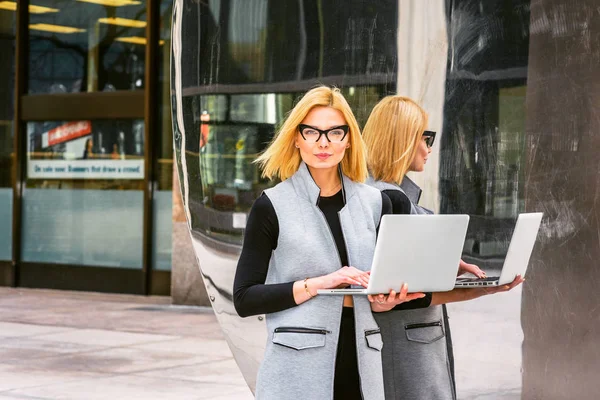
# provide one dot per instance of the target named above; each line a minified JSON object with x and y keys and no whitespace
{"x":310,"y":296}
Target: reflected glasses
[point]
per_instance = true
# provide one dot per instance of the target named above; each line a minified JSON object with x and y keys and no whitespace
{"x":333,"y":135}
{"x":429,"y":138}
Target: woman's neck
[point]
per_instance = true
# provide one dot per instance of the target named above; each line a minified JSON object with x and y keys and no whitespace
{"x":327,"y":179}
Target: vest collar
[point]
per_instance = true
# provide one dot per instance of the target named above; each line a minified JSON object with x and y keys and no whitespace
{"x":305,"y":185}
{"x":381,"y":185}
{"x":411,"y":189}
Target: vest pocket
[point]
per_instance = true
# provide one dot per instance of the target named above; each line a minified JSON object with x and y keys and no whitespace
{"x":426,"y":332}
{"x":373,"y":339}
{"x":300,"y":338}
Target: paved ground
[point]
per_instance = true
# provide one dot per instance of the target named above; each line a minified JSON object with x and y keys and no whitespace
{"x":71,"y":345}
{"x":487,"y":338}
{"x":67,"y":345}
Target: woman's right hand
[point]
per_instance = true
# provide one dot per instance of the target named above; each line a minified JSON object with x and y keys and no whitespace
{"x":344,"y":277}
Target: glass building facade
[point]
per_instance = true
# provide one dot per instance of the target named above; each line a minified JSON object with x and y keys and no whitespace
{"x":86,"y":153}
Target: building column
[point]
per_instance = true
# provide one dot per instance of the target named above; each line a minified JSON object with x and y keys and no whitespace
{"x":561,"y":300}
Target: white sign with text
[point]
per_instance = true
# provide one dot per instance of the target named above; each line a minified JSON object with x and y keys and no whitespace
{"x":85,"y":169}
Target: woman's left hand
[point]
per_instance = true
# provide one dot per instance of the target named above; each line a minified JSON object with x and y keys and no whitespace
{"x":382,"y":302}
{"x":464,"y":267}
{"x":502,"y":288}
{"x":463,"y":294}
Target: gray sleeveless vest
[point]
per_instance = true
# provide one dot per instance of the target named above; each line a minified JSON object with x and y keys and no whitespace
{"x":408,"y":187}
{"x":416,"y":363}
{"x":300,"y":354}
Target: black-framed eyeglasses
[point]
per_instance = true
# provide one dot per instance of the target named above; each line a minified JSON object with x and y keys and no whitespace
{"x":333,"y":135}
{"x":429,"y":138}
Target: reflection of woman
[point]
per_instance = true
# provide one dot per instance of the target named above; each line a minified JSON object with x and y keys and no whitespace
{"x":417,"y":363}
{"x":301,"y":236}
{"x":87,"y":152}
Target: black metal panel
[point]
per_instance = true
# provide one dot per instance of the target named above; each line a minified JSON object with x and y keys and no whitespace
{"x":19,"y":145}
{"x":150,"y":106}
{"x":160,"y":283}
{"x":6,"y":273}
{"x":81,"y":277}
{"x":75,"y":106}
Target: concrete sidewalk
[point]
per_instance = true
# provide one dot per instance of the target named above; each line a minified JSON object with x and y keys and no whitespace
{"x":70,"y":345}
{"x":75,"y":345}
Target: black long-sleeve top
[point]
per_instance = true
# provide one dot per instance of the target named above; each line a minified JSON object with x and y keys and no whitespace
{"x":251,"y":296}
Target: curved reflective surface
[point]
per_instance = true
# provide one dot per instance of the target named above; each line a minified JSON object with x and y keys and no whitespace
{"x":238,"y":66}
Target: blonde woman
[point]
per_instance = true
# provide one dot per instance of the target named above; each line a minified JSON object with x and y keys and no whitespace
{"x":315,"y":230}
{"x":417,"y":356}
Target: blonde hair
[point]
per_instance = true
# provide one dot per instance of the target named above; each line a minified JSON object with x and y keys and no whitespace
{"x":281,"y":159}
{"x":392,"y":134}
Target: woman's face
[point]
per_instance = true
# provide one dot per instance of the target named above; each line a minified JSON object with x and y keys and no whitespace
{"x":418,"y":163}
{"x":323,"y":153}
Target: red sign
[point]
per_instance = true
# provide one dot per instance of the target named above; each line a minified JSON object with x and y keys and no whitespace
{"x":69,"y":131}
{"x":204,"y":128}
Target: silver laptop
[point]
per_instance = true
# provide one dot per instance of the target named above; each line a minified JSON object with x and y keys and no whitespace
{"x":517,"y":257}
{"x":422,"y":251}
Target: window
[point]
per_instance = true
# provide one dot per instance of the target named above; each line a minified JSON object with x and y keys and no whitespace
{"x":86,"y":46}
{"x":83,"y":200}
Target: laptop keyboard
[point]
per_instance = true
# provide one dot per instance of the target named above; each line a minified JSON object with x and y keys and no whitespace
{"x":486,"y":279}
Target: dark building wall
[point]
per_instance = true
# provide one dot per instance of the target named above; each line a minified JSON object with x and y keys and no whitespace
{"x":561,"y":300}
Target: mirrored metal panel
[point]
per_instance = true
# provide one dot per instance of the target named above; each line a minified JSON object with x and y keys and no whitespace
{"x":239,"y":66}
